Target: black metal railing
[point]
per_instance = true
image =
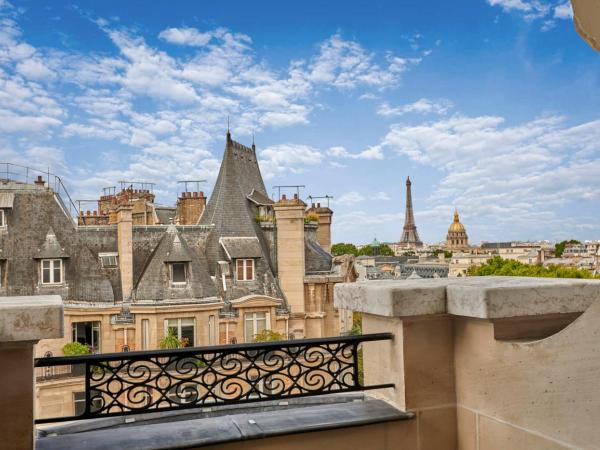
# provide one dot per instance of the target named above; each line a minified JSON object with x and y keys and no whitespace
{"x":25,"y":174}
{"x":163,"y":380}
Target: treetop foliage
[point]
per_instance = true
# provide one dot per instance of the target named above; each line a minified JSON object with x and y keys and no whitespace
{"x":343,"y":248}
{"x":560,"y":247}
{"x":506,"y":267}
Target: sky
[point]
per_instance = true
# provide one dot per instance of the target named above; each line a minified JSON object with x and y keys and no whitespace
{"x":490,"y":106}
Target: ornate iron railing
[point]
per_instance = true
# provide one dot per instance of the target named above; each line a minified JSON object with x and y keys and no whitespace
{"x":164,"y":380}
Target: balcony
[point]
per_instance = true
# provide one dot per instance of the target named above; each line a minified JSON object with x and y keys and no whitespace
{"x":475,"y":363}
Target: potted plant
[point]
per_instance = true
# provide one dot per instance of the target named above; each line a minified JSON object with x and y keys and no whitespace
{"x":76,"y":349}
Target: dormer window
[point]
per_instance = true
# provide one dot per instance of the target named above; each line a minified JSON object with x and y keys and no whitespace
{"x":108,"y":259}
{"x":178,"y":273}
{"x":244,"y":269}
{"x":52,"y":271}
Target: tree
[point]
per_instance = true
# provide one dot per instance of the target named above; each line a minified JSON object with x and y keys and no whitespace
{"x":343,"y":248}
{"x":384,"y":250}
{"x":560,"y":247}
{"x":506,"y":267}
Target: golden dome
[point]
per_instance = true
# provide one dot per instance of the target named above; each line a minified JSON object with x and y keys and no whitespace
{"x":456,"y":226}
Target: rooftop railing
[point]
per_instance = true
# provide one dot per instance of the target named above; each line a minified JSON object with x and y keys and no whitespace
{"x":25,"y":174}
{"x":164,"y":380}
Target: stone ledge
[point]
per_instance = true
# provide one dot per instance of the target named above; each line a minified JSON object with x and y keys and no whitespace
{"x":30,"y":318}
{"x":194,"y":433}
{"x":479,"y":297}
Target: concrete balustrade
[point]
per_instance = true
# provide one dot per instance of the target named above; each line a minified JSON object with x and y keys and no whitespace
{"x":487,"y":362}
{"x":23,"y":322}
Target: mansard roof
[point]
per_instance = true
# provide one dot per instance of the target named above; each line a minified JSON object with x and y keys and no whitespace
{"x":51,"y":248}
{"x":152,"y":283}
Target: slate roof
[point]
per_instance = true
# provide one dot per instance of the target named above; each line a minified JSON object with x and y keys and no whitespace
{"x":315,"y":258}
{"x":51,"y":248}
{"x":259,"y":198}
{"x":153,"y":282}
{"x":164,"y":214}
{"x":179,"y":251}
{"x":241,"y":247}
{"x":234,"y":215}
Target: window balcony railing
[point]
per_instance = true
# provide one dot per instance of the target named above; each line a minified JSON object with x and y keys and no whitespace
{"x":164,"y":380}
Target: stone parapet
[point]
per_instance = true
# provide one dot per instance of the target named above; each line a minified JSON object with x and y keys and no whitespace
{"x":26,"y":319}
{"x":477,"y":297}
{"x":23,"y":322}
{"x":486,"y":362}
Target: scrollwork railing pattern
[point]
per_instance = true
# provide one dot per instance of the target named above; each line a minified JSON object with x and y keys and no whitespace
{"x":162,"y":380}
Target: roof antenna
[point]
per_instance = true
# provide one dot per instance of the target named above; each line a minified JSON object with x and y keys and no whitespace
{"x":253,"y":146}
{"x":228,"y":133}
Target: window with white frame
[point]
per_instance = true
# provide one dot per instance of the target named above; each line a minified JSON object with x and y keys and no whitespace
{"x":52,"y":271}
{"x":178,"y":273}
{"x":2,"y":219}
{"x":184,"y":329}
{"x":244,"y":269}
{"x":108,"y":259}
{"x":255,"y":323}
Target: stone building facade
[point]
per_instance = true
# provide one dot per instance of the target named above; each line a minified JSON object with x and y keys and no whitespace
{"x":215,"y":272}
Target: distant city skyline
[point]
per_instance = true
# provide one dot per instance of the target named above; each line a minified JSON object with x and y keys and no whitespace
{"x":491,"y":106}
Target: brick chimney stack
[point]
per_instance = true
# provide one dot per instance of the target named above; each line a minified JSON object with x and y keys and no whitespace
{"x":190,"y":206}
{"x":324,"y":230}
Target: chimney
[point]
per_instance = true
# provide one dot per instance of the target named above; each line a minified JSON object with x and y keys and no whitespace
{"x":190,"y":207}
{"x":324,"y":230}
{"x":39,"y":181}
{"x":289,"y":218}
{"x":125,"y":248}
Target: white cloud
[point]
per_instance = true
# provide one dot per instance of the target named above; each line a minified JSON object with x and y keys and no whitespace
{"x":513,"y":174}
{"x":185,"y":36}
{"x":346,"y":64}
{"x":531,"y":10}
{"x":563,"y":11}
{"x":350,"y":198}
{"x":421,"y":106}
{"x":35,"y":69}
{"x":374,"y":152}
{"x":278,"y":159}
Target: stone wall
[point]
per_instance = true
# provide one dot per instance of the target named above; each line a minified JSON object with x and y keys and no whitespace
{"x":487,"y":362}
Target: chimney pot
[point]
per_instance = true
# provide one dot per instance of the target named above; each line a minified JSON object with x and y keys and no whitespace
{"x":87,"y":213}
{"x":318,"y":205}
{"x":195,"y":195}
{"x":201,"y":194}
{"x":295,"y":196}
{"x":95,"y":212}
{"x":283,"y":197}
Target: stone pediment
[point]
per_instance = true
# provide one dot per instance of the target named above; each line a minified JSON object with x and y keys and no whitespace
{"x":256,"y":300}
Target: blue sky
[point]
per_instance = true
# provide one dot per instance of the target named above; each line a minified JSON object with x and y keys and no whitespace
{"x":491,"y":106}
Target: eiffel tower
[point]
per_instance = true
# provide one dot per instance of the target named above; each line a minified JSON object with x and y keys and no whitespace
{"x":410,"y":237}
